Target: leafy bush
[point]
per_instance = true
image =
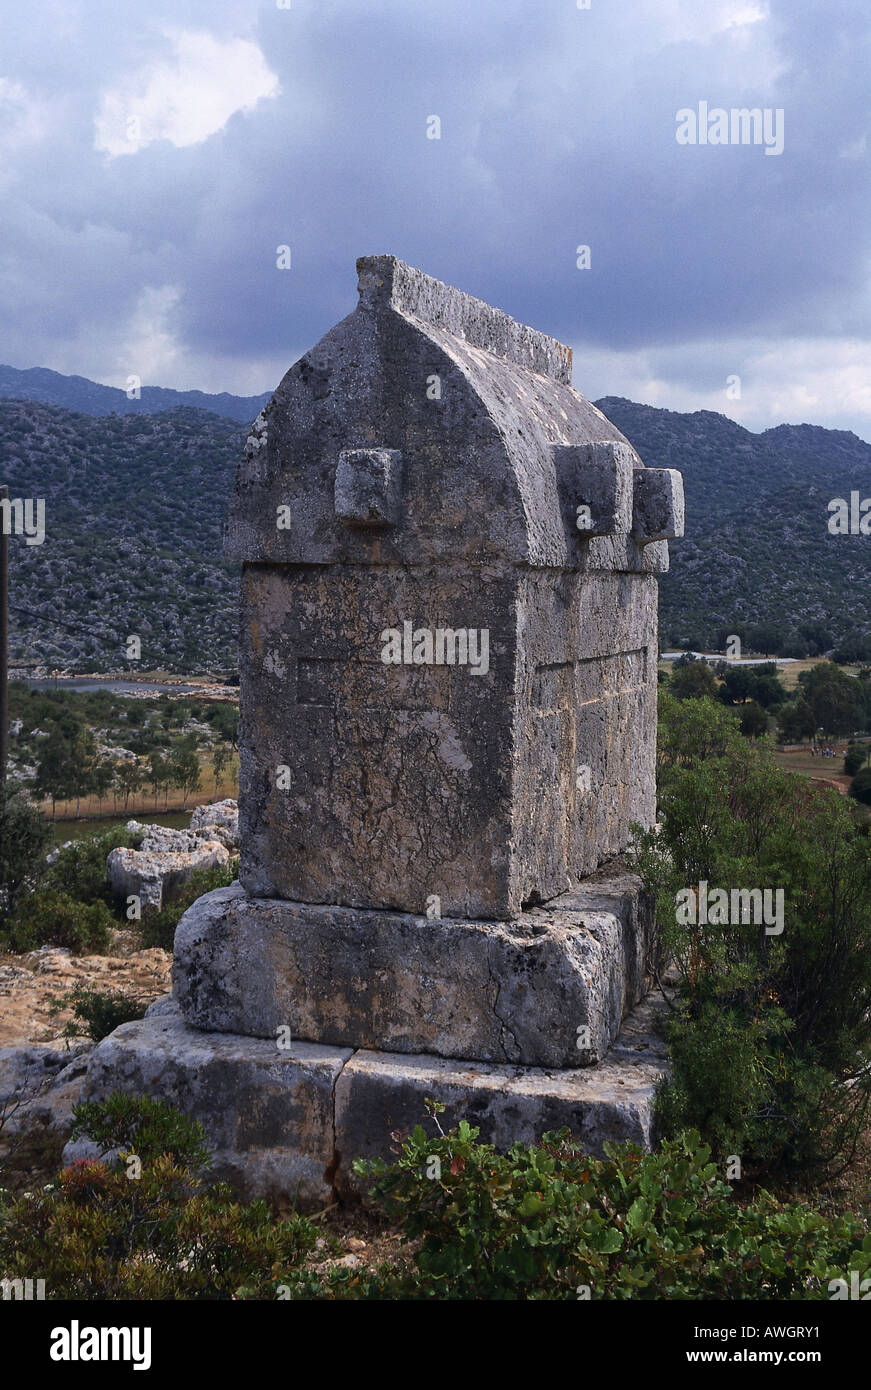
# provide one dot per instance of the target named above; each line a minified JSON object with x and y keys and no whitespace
{"x":103,"y":1232}
{"x":549,"y":1222}
{"x":158,"y":928}
{"x":860,"y":787}
{"x":24,"y":840}
{"x":80,"y":868}
{"x":771,"y":1034}
{"x":51,"y":918}
{"x":855,"y":757}
{"x":96,"y":1013}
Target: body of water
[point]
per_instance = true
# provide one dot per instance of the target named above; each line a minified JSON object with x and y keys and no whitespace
{"x":118,"y":686}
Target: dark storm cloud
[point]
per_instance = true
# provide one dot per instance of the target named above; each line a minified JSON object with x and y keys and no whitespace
{"x":558,"y":128}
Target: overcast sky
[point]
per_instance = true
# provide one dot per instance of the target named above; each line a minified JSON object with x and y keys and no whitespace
{"x":156,"y":155}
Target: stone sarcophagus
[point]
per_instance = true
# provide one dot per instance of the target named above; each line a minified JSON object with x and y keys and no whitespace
{"x":448,"y":628}
{"x":448,"y":662}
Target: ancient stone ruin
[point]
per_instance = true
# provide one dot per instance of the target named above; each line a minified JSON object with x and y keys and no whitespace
{"x":449,"y":667}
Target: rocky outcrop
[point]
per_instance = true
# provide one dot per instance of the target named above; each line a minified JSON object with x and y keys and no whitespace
{"x":38,"y":1088}
{"x":165,"y":858}
{"x":221,"y":819}
{"x":156,"y":875}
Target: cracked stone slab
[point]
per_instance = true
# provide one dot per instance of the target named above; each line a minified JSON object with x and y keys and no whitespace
{"x":289,"y":1123}
{"x":381,"y":1093}
{"x":550,"y":988}
{"x":267,"y":1111}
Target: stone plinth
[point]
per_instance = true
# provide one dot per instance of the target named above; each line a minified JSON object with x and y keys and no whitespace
{"x":549,"y":988}
{"x":288,"y":1123}
{"x":267,"y":1112}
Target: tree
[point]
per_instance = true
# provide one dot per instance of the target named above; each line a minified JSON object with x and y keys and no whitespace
{"x":54,"y":770}
{"x":103,"y":778}
{"x":129,"y":777}
{"x":836,"y":699}
{"x":185,"y":771}
{"x":797,"y":721}
{"x":754,"y":721}
{"x":24,"y":839}
{"x":82,"y":761}
{"x":224,"y":719}
{"x":856,"y":757}
{"x":156,"y":773}
{"x":220,"y":759}
{"x":692,"y":679}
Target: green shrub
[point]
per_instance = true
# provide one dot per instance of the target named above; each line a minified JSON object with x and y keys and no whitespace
{"x":80,"y":868}
{"x":24,"y":841}
{"x":158,"y":928}
{"x":51,"y":918}
{"x":860,"y":787}
{"x":770,"y":1035}
{"x":855,"y":757}
{"x":549,"y":1222}
{"x":96,"y":1012}
{"x":112,"y":1229}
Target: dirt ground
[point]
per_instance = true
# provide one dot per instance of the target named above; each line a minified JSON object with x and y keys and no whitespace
{"x":29,"y":982}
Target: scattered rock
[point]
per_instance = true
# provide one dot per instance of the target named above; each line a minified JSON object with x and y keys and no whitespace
{"x":155,"y":875}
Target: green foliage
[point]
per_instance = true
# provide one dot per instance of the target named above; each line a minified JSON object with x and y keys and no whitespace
{"x":752,"y":720}
{"x":24,"y":840}
{"x":49,"y":917}
{"x":692,"y":678}
{"x":860,"y":787}
{"x":96,"y":1012}
{"x":113,"y":1229}
{"x":759,"y":684}
{"x":549,"y":1222}
{"x":836,"y":699}
{"x":141,"y":1125}
{"x":856,"y":756}
{"x":771,"y":1034}
{"x":80,"y":868}
{"x":158,"y":928}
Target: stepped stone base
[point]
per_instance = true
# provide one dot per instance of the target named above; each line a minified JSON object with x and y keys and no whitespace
{"x":287,"y":1123}
{"x":547,"y":989}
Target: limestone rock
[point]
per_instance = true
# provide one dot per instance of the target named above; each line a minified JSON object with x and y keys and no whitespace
{"x":155,"y":875}
{"x":549,"y":988}
{"x":221,"y":819}
{"x":39,"y":1085}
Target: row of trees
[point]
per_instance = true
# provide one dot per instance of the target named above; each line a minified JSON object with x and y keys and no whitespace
{"x":69,"y":768}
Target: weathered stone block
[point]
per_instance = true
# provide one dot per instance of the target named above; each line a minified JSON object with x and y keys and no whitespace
{"x":367,"y":491}
{"x":378,"y":1094}
{"x":267,"y":1111}
{"x":658,"y":505}
{"x":156,"y":875}
{"x":549,"y":988}
{"x":595,"y":486}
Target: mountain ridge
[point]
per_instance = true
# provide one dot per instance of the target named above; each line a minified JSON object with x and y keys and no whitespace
{"x":79,"y":393}
{"x":135,"y":503}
